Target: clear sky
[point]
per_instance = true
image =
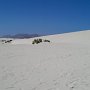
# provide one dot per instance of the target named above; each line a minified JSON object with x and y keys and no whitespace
{"x":44,"y":16}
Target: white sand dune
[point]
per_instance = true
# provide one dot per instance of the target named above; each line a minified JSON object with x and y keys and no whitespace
{"x":73,"y":37}
{"x":63,"y":64}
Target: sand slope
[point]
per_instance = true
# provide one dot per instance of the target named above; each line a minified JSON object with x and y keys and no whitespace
{"x":73,"y":37}
{"x":63,"y":64}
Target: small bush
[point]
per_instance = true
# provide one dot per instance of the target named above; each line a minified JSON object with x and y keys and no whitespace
{"x":33,"y":42}
{"x":36,"y":41}
{"x":40,"y":40}
{"x":46,"y":40}
{"x":7,"y":41}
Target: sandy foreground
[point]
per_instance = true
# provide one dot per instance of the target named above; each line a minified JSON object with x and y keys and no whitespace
{"x":63,"y":64}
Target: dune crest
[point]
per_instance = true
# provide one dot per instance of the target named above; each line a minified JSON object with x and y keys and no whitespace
{"x":73,"y":37}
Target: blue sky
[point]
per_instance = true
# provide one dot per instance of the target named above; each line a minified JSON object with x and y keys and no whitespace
{"x":44,"y":16}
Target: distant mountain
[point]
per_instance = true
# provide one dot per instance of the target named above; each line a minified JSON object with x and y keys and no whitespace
{"x":20,"y":36}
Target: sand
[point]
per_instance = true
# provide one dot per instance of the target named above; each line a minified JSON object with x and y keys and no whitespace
{"x":63,"y":64}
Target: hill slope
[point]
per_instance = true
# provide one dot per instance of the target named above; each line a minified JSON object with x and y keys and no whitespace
{"x":73,"y":37}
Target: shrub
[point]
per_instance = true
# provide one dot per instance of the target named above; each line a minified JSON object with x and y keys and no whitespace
{"x":7,"y":41}
{"x":40,"y":40}
{"x":46,"y":40}
{"x":36,"y":41}
{"x":33,"y":42}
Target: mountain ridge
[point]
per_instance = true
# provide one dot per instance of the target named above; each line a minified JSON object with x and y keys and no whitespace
{"x":20,"y":36}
